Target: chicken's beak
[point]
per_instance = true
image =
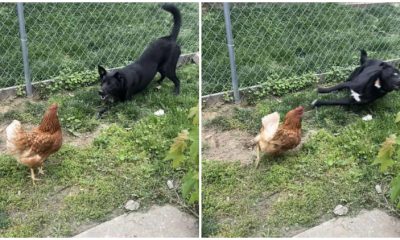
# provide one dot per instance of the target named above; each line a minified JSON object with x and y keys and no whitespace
{"x":300,"y":110}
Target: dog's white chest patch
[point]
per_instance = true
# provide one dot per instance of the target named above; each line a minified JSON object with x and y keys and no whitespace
{"x":356,"y":96}
{"x":378,"y":83}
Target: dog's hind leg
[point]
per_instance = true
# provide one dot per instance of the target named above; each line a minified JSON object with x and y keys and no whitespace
{"x":171,"y":75}
{"x":177,"y":83}
{"x":340,"y":86}
{"x":342,"y":101}
{"x":170,"y":69}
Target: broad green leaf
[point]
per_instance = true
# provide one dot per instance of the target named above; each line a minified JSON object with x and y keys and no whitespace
{"x":330,"y":162}
{"x":178,"y":161}
{"x":190,"y":183}
{"x":176,"y":152}
{"x":395,"y":189}
{"x":397,"y":117}
{"x":385,"y":154}
{"x":195,"y":195}
{"x":194,"y":114}
{"x":194,"y":147}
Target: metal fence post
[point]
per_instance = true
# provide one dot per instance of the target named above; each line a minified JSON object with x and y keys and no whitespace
{"x":21,"y":20}
{"x":229,"y":38}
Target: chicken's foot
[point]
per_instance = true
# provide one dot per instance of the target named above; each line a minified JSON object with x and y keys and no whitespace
{"x":40,"y":170}
{"x":33,"y":177}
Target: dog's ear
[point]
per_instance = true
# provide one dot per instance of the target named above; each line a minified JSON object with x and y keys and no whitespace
{"x":102,"y":71}
{"x":363,"y":56}
{"x":118,"y":76}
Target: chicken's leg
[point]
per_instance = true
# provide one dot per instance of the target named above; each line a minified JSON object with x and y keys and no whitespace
{"x":33,"y":176}
{"x":258,"y":156}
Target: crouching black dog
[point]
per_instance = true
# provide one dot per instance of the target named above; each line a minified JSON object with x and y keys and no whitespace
{"x":371,"y":80}
{"x":160,"y":56}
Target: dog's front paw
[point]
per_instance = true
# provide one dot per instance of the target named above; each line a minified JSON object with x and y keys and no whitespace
{"x":101,"y":113}
{"x":315,"y":103}
{"x":176,"y":91}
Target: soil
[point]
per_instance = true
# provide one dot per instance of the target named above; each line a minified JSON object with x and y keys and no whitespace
{"x":84,"y":139}
{"x":217,"y":109}
{"x":228,"y":146}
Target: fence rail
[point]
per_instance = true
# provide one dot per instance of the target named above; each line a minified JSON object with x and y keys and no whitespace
{"x":74,"y":37}
{"x":282,"y":40}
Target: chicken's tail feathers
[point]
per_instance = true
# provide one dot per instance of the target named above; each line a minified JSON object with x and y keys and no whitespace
{"x":270,"y":125}
{"x":12,"y":131}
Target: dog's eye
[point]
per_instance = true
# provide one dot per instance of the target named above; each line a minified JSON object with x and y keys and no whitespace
{"x":395,"y":74}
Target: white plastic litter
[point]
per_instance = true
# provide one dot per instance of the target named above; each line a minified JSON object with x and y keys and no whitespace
{"x":159,"y":112}
{"x":367,"y":117}
{"x":378,"y":188}
{"x":170,"y":184}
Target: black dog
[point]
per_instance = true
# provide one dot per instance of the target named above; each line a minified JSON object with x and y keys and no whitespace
{"x":368,"y":82}
{"x":160,"y":56}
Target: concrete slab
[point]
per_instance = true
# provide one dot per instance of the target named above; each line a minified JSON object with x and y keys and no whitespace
{"x":374,"y":223}
{"x":159,"y":221}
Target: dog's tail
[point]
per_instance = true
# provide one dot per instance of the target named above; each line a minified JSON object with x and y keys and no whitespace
{"x":177,"y":19}
{"x":363,"y":56}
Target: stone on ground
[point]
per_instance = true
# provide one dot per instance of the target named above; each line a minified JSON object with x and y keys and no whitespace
{"x":132,"y":205}
{"x":159,"y":221}
{"x":340,"y":210}
{"x":374,"y":223}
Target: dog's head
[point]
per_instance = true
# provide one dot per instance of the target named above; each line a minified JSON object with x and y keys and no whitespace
{"x":111,"y":84}
{"x":390,"y":77}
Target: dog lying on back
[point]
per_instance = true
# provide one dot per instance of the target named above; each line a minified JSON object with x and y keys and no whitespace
{"x":371,"y":80}
{"x":160,"y":56}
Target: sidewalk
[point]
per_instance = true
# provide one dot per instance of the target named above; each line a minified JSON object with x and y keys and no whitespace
{"x":159,"y":221}
{"x":374,"y":223}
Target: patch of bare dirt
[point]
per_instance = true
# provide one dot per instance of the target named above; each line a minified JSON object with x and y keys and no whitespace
{"x":3,"y":137}
{"x":14,"y":103}
{"x":218,"y":109}
{"x":84,"y":139}
{"x":228,"y":146}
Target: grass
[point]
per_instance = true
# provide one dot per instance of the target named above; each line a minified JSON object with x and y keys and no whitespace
{"x":85,"y":185}
{"x":300,"y":189}
{"x":72,"y":37}
{"x":275,"y":40}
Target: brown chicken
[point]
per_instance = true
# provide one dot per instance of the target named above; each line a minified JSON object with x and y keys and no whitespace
{"x":273,"y":139}
{"x":32,"y":148}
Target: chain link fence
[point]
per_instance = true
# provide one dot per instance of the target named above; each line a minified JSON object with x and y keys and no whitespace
{"x":280,"y":40}
{"x":73,"y":37}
